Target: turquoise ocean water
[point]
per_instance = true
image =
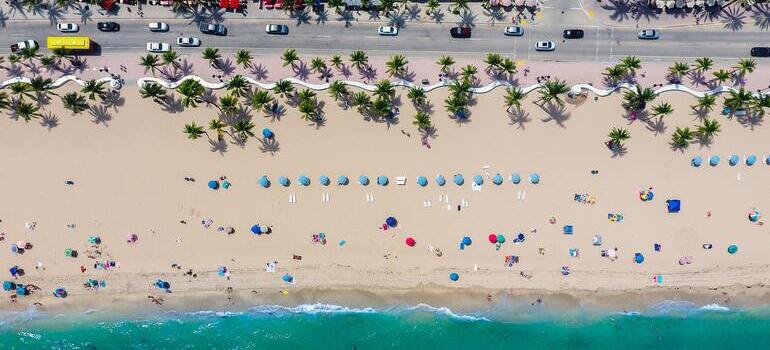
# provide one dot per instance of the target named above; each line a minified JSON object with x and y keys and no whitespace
{"x":674,"y":325}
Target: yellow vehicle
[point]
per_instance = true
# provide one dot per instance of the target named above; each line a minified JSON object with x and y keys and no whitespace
{"x":69,"y":43}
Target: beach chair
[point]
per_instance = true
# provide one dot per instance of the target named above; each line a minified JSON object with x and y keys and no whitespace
{"x":401,"y":180}
{"x":568,"y":230}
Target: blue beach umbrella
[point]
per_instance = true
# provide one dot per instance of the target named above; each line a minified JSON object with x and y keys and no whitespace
{"x":363,"y":180}
{"x":497,"y":180}
{"x":696,"y":161}
{"x":478,"y":180}
{"x":534,"y":178}
{"x":60,"y":292}
{"x":287,"y":278}
{"x":732,"y":249}
{"x":500,"y":238}
{"x":440,"y":180}
{"x":714,"y":160}
{"x":515,"y":178}
{"x":255,"y":229}
{"x":343,"y":180}
{"x":303,"y":180}
{"x":459,"y":180}
{"x":454,"y":276}
{"x":751,"y":159}
{"x":14,"y":248}
{"x":391,"y":221}
{"x":324,"y":180}
{"x":264,"y":181}
{"x":467,"y":240}
{"x":8,"y":285}
{"x":213,"y":184}
{"x":382,"y":180}
{"x":767,"y":160}
{"x":422,"y":181}
{"x":733,"y":161}
{"x":21,"y":290}
{"x":267,"y":133}
{"x":638,"y":258}
{"x":284,"y":181}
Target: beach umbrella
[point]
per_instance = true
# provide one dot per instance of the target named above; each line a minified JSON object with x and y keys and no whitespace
{"x":440,"y":180}
{"x":363,"y":180}
{"x":454,"y":276}
{"x":492,"y":238}
{"x":696,"y":161}
{"x":733,"y":161}
{"x":714,"y":160}
{"x":21,"y":290}
{"x":422,"y":181}
{"x":324,"y":180}
{"x":60,"y":292}
{"x":131,"y":238}
{"x":391,"y":221}
{"x":410,"y":241}
{"x":229,"y":230}
{"x":751,"y":159}
{"x":264,"y":182}
{"x":21,"y":244}
{"x":520,"y":237}
{"x":515,"y":178}
{"x":214,"y":184}
{"x":303,"y":180}
{"x":255,"y":229}
{"x":94,"y":240}
{"x":767,"y":160}
{"x":14,"y":248}
{"x":500,"y":238}
{"x":8,"y":285}
{"x":267,"y":133}
{"x":534,"y":178}
{"x":221,"y":271}
{"x":14,"y":270}
{"x":159,"y":284}
{"x":467,"y":240}
{"x":754,"y":215}
{"x":497,"y":180}
{"x":459,"y":180}
{"x":283,"y":181}
{"x":68,"y":252}
{"x":673,"y":205}
{"x":382,"y":180}
{"x":264,"y":229}
{"x":478,"y":180}
{"x":287,"y":278}
{"x":342,"y":180}
{"x":638,"y":258}
{"x":732,"y":249}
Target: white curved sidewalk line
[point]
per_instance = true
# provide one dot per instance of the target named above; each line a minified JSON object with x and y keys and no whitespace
{"x":576,"y":89}
{"x":55,"y":84}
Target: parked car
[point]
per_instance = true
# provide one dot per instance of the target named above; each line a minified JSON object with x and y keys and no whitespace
{"x":158,"y":26}
{"x":573,"y":34}
{"x":158,"y":47}
{"x":26,"y":44}
{"x":108,"y":26}
{"x":760,"y":51}
{"x":648,"y":34}
{"x":67,"y":27}
{"x":211,"y":28}
{"x":460,"y":32}
{"x":188,"y":41}
{"x":387,"y":31}
{"x":544,"y":45}
{"x":280,"y":29}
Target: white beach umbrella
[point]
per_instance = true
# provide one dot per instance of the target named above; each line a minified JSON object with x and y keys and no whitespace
{"x":699,"y":3}
{"x":670,"y":4}
{"x":711,"y":2}
{"x":660,"y":4}
{"x":690,"y":3}
{"x":679,"y":3}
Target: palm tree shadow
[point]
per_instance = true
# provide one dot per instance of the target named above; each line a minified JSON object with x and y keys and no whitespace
{"x":219,"y":146}
{"x":49,"y":121}
{"x":226,"y":66}
{"x":556,"y":112}
{"x":171,"y":73}
{"x":276,"y":112}
{"x":697,"y":78}
{"x":437,"y":16}
{"x":16,"y":70}
{"x":302,"y":17}
{"x":368,"y":73}
{"x":345,"y":71}
{"x":85,"y":14}
{"x":733,"y":18}
{"x":41,"y":100}
{"x":704,"y":142}
{"x":18,"y":7}
{"x":699,"y":113}
{"x":750,"y":120}
{"x":322,"y":17}
{"x":269,"y":145}
{"x":259,"y":71}
{"x":301,"y":71}
{"x":656,"y":125}
{"x":374,"y":15}
{"x":3,"y":18}
{"x":100,"y":115}
{"x":172,"y":104}
{"x":620,"y":10}
{"x":519,"y":117}
{"x":185,"y":67}
{"x":761,"y":16}
{"x":347,"y":17}
{"x":413,"y":13}
{"x":55,"y":13}
{"x":398,"y":20}
{"x":495,"y":14}
{"x":113,"y":99}
{"x":467,"y":19}
{"x":619,"y":151}
{"x":739,"y":80}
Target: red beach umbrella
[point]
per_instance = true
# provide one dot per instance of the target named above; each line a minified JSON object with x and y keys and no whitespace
{"x":410,"y":242}
{"x":223,"y":4}
{"x":492,"y":238}
{"x":234,"y":4}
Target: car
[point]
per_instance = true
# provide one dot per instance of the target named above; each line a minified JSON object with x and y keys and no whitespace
{"x":387,"y":31}
{"x":108,"y":26}
{"x":277,"y":29}
{"x":188,"y":41}
{"x":158,"y":47}
{"x":573,"y":34}
{"x":460,"y":32}
{"x":158,"y":26}
{"x":648,"y":34}
{"x":26,"y":44}
{"x":211,"y":28}
{"x":67,"y":27}
{"x":760,"y":51}
{"x":513,"y":31}
{"x":544,"y":45}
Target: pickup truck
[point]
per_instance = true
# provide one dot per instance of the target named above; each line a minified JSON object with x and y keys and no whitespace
{"x":21,"y":45}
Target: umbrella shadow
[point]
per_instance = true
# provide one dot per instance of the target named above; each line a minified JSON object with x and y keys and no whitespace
{"x":557,"y":113}
{"x":259,"y":71}
{"x":733,"y":18}
{"x":49,"y":121}
{"x":100,"y":115}
{"x":519,"y":117}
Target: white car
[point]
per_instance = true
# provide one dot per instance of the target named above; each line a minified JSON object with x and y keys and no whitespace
{"x":188,"y":41}
{"x":513,"y":31}
{"x":388,"y":31}
{"x":67,"y":27}
{"x":158,"y":47}
{"x":648,"y":34}
{"x":543,"y":45}
{"x":158,"y":26}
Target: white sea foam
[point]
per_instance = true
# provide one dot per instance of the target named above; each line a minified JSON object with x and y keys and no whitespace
{"x":446,"y":312}
{"x":714,"y":307}
{"x":317,"y":308}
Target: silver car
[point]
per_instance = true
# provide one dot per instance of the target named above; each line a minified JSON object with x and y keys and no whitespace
{"x":67,"y":27}
{"x":648,"y":34}
{"x":513,"y":31}
{"x":545,"y":46}
{"x":280,"y":29}
{"x":158,"y":47}
{"x":387,"y":31}
{"x":158,"y":26}
{"x":188,"y":41}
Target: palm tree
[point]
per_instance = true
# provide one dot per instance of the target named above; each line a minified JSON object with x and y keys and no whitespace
{"x":244,"y":128}
{"x":26,"y":110}
{"x":380,"y":107}
{"x":396,"y":65}
{"x":336,"y":5}
{"x":283,"y":87}
{"x":318,"y":65}
{"x":662,"y":110}
{"x":41,"y":85}
{"x":551,"y":89}
{"x":336,"y":61}
{"x":513,"y":97}
{"x":469,"y":72}
{"x":307,"y":109}
{"x":361,"y":101}
{"x":745,"y":65}
{"x":191,"y":90}
{"x":455,"y":105}
{"x":614,"y":73}
{"x":758,"y":104}
{"x":212,"y":55}
{"x":678,"y":69}
{"x":432,"y":6}
{"x":508,"y":66}
{"x":149,"y":62}
{"x":93,"y":89}
{"x":706,"y":103}
{"x":445,"y":62}
{"x":4,"y":100}
{"x":193,"y":130}
{"x":153,"y":90}
{"x":493,"y":61}
{"x":238,"y":86}
{"x":637,"y":100}
{"x":721,"y":76}
{"x":28,"y":54}
{"x":359,"y":58}
{"x":384,"y":89}
{"x":228,"y":104}
{"x":703,"y":64}
{"x":618,"y":135}
{"x":461,"y":89}
{"x":738,"y":99}
{"x":243,"y":58}
{"x":261,"y":99}
{"x":217,"y":126}
{"x":338,"y":90}
{"x":681,"y":138}
{"x":20,"y":89}
{"x":75,"y":102}
{"x":170,"y":57}
{"x":422,"y":121}
{"x":460,"y":4}
{"x":49,"y":62}
{"x":631,"y":64}
{"x":709,"y":129}
{"x":416,"y":95}
{"x":306,"y":95}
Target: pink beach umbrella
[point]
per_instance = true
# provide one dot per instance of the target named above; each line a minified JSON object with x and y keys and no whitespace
{"x":132,"y":238}
{"x":21,"y":244}
{"x":506,"y":3}
{"x":410,"y":241}
{"x":492,"y":238}
{"x":519,"y":2}
{"x":531,"y":3}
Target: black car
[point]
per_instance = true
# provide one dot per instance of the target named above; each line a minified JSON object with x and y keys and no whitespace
{"x":573,"y":34}
{"x":215,"y":29}
{"x":460,"y":32}
{"x":108,"y":26}
{"x":760,"y":51}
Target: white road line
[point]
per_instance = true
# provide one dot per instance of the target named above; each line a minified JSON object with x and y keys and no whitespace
{"x":612,"y":33}
{"x":597,"y":45}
